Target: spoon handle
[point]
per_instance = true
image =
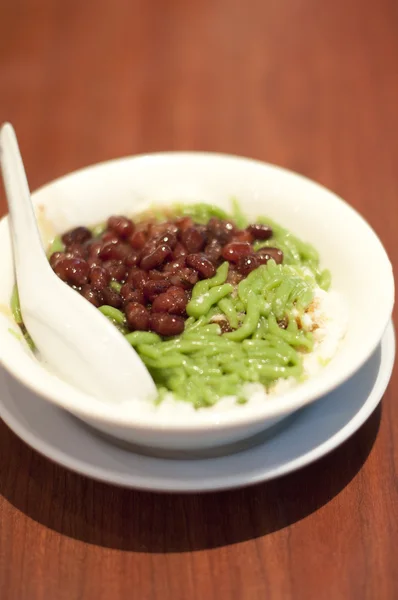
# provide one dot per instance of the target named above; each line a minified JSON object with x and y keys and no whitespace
{"x":25,"y":234}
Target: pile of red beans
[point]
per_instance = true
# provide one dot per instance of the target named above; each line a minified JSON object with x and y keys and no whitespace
{"x":157,"y":265}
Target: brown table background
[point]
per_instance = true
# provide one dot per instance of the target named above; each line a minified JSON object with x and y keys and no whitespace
{"x":307,"y":84}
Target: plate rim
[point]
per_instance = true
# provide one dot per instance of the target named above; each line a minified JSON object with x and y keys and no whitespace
{"x":97,"y":473}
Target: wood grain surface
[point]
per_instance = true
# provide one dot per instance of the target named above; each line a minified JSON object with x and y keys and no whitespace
{"x":309,"y":85}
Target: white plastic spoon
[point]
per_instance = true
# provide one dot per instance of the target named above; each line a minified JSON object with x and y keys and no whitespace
{"x":72,"y":336}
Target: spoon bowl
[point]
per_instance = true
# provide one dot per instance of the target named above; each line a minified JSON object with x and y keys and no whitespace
{"x":72,"y":337}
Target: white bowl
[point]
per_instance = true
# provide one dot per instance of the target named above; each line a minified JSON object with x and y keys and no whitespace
{"x":360,"y":269}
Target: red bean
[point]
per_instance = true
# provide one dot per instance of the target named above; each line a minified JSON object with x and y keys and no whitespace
{"x":213,"y":250}
{"x":243,"y":236}
{"x":78,"y":235}
{"x":92,"y":295}
{"x":94,"y":249}
{"x":156,"y":275}
{"x":94,"y":262}
{"x":193,"y":239}
{"x":132,"y":259}
{"x":122,"y":226}
{"x":260,"y":231}
{"x":184,"y":223}
{"x":201,"y":263}
{"x":138,"y":240}
{"x":169,"y":238}
{"x":137,"y":278}
{"x":265,"y":254}
{"x":179,"y":251}
{"x":175,"y":266}
{"x":116,"y":269}
{"x":118,"y":251}
{"x":247,"y":264}
{"x":110,"y":236}
{"x":155,"y":258}
{"x":173,"y":301}
{"x":111,"y":298}
{"x":235,"y":250}
{"x":129,"y":294}
{"x":72,"y":270}
{"x":99,"y":277}
{"x":220,"y":229}
{"x":150,"y":246}
{"x":137,"y":316}
{"x":55,"y":257}
{"x":185,"y":278}
{"x":166,"y":325}
{"x":76,"y":251}
{"x":153,"y":288}
{"x":156,"y":230}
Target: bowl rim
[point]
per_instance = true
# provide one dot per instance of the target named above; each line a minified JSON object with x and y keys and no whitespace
{"x":293,"y":399}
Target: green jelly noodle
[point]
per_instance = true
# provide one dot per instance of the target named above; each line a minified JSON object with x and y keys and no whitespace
{"x":201,"y":365}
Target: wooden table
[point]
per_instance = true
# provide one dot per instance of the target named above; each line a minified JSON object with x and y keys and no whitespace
{"x":310,"y":85}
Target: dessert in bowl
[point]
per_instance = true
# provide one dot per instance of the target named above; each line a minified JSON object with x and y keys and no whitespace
{"x":247,"y":290}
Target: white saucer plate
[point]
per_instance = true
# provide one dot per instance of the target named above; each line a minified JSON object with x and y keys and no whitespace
{"x":307,"y":436}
